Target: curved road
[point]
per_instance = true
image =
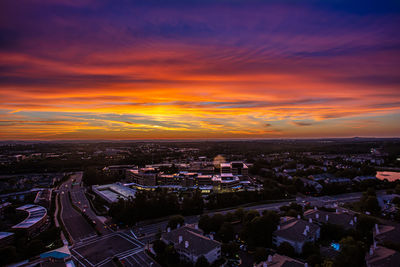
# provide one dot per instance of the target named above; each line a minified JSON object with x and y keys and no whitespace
{"x":76,"y":225}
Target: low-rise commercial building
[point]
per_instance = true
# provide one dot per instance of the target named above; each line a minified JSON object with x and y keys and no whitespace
{"x":43,"y":198}
{"x":234,"y":167}
{"x":143,"y":176}
{"x":37,"y":217}
{"x":231,"y":175}
{"x":226,"y":180}
{"x":6,"y":238}
{"x":113,"y":192}
{"x":3,"y":207}
{"x":118,"y":170}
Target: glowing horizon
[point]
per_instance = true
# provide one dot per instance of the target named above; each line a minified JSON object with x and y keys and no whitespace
{"x":198,"y":69}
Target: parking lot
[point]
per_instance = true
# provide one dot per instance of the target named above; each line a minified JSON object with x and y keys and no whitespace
{"x":101,"y":250}
{"x":138,"y":259}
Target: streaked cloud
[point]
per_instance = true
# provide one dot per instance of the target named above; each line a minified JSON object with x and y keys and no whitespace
{"x":198,"y":69}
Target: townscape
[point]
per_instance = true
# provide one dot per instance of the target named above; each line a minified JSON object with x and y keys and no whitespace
{"x":322,"y":202}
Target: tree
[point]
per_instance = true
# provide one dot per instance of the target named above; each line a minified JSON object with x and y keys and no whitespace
{"x":166,"y":255}
{"x":332,"y":232}
{"x":327,"y":263}
{"x":202,"y":262}
{"x":204,"y":223}
{"x":193,"y":204}
{"x":250,"y":215}
{"x":364,"y":227}
{"x":258,"y":231}
{"x":371,"y":204}
{"x":310,"y":248}
{"x":292,"y":210}
{"x":286,"y":249}
{"x":370,"y":192}
{"x":229,"y":249}
{"x":239,"y":214}
{"x":175,"y":220}
{"x":7,"y":255}
{"x":92,"y":176}
{"x":299,"y":185}
{"x":226,"y":232}
{"x":397,"y":189}
{"x":368,"y":202}
{"x":171,"y":256}
{"x":260,"y":254}
{"x":35,"y":247}
{"x":159,"y":233}
{"x":311,"y":252}
{"x":314,"y":259}
{"x":197,"y":202}
{"x":159,"y":247}
{"x":145,"y":205}
{"x":216,"y":222}
{"x":351,"y":253}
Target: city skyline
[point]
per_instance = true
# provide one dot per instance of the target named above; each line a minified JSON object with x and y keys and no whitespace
{"x":198,"y":69}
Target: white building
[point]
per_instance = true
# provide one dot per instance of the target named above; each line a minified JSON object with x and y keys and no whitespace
{"x":190,"y":243}
{"x":339,"y":217}
{"x":296,"y":232}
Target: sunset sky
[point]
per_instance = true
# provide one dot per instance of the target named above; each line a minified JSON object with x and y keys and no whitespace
{"x":93,"y":69}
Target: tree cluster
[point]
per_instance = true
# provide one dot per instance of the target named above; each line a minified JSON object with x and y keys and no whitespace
{"x":93,"y":176}
{"x":154,"y":204}
{"x":231,"y":199}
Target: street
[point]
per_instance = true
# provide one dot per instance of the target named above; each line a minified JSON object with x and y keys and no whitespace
{"x":76,"y":225}
{"x":80,"y":200}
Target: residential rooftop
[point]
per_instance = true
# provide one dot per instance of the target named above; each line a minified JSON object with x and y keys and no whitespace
{"x":382,"y":257}
{"x":384,"y":233}
{"x":278,"y":260}
{"x":295,"y":229}
{"x":198,"y":244}
{"x":341,"y":218}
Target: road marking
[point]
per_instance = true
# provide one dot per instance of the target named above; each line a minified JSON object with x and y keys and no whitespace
{"x":119,"y":256}
{"x":136,"y":261}
{"x":83,"y":258}
{"x":78,"y":261}
{"x":128,"y":239}
{"x":104,"y":261}
{"x":94,"y":240}
{"x":86,"y":238}
{"x":129,"y":253}
{"x":127,"y":259}
{"x":132,"y":238}
{"x":133,"y":234}
{"x":122,"y":254}
{"x":142,"y":257}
